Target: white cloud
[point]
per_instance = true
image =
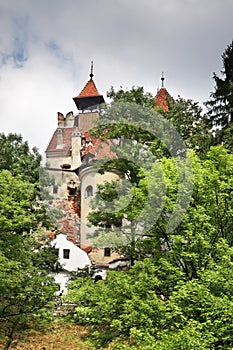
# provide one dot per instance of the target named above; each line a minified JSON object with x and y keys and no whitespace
{"x":31,"y":96}
{"x":46,"y":48}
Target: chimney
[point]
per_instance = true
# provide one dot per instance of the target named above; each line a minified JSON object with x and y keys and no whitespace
{"x":60,"y":119}
{"x":76,"y":149}
{"x":70,"y":120}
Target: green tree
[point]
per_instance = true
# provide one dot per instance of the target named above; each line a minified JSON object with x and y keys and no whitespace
{"x":220,"y":104}
{"x":179,"y":292}
{"x":228,"y":138}
{"x":154,"y":305}
{"x":134,"y":95}
{"x":208,"y":217}
{"x":26,"y":287}
{"x":187,"y":117}
{"x":26,"y":292}
{"x":138,"y":149}
{"x":16,"y":156}
{"x":129,"y":306}
{"x":116,"y":218}
{"x":177,"y":295}
{"x":125,"y":300}
{"x":138,"y":144}
{"x":127,"y":145}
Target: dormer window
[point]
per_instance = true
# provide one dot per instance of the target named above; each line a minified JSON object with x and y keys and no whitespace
{"x":59,"y":138}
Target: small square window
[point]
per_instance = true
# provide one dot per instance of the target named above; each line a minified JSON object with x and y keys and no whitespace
{"x":66,"y":253}
{"x":107,"y":251}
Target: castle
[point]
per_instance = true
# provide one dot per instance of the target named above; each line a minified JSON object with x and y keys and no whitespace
{"x":69,"y":157}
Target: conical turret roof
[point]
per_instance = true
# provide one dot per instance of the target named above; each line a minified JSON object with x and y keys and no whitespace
{"x":163,"y":99}
{"x":89,"y":90}
{"x":89,"y":96}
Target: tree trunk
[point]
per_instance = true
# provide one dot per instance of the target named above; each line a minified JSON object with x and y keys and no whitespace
{"x":10,"y":339}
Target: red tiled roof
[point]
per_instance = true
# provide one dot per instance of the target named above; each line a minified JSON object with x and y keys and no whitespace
{"x":162,"y":100}
{"x":87,"y":249}
{"x":97,"y":148}
{"x":67,"y":132}
{"x":89,"y":90}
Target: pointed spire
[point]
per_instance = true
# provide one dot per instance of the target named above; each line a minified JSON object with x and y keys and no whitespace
{"x":91,"y":74}
{"x":163,"y":99}
{"x":89,"y":90}
{"x":162,"y":79}
{"x":89,"y":96}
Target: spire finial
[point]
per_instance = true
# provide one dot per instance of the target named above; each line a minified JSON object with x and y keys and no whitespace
{"x":91,"y":74}
{"x":162,"y":78}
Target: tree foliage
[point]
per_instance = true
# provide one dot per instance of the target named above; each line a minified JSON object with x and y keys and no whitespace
{"x":187,"y":117}
{"x":26,"y":288}
{"x":134,"y":95}
{"x":130,"y":307}
{"x":138,"y":145}
{"x":220,"y":104}
{"x":16,"y":156}
{"x":178,"y":293}
{"x":209,"y":215}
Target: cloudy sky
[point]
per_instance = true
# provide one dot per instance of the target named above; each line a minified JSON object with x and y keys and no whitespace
{"x":46,"y":48}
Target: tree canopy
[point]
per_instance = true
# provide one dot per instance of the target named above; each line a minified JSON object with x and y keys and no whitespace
{"x":173,"y":205}
{"x":26,"y":287}
{"x":220,"y":104}
{"x":179,"y":290}
{"x":134,"y":95}
{"x":16,"y":156}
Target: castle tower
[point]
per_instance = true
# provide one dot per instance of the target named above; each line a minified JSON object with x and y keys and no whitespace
{"x":65,"y":147}
{"x":88,"y":103}
{"x":89,"y":97}
{"x":68,"y":157}
{"x":163,"y":99}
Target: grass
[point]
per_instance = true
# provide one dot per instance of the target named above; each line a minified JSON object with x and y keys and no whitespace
{"x":59,"y":335}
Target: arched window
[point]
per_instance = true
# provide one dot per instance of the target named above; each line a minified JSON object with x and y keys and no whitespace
{"x":89,"y":191}
{"x":98,"y":278}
